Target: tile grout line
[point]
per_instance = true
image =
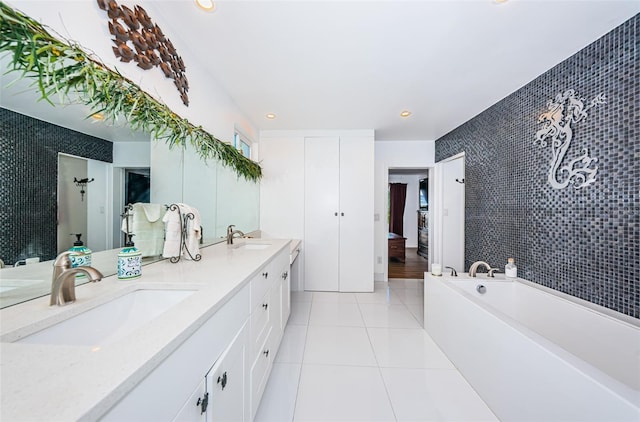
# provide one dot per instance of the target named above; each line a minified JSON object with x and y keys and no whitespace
{"x":375,"y":356}
{"x":304,"y":349}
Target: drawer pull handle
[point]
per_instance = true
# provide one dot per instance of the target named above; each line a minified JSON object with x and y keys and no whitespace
{"x":265,"y":275}
{"x":266,"y":353}
{"x":203,"y":403}
{"x":265,"y":306}
{"x":223,"y":380}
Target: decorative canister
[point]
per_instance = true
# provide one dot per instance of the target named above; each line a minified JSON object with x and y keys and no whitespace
{"x":80,"y":255}
{"x":129,"y":261}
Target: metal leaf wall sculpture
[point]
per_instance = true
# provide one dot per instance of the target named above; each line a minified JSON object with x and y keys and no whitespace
{"x":137,"y":38}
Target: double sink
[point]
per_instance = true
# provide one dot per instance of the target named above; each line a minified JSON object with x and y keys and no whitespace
{"x":119,"y":317}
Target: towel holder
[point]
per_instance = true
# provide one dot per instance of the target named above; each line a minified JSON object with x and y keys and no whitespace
{"x":184,"y":221}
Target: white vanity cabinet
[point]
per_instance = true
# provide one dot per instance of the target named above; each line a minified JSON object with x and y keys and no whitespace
{"x":219,"y":373}
{"x":265,"y":325}
{"x":195,"y":409}
{"x":227,"y":384}
{"x":221,"y":394}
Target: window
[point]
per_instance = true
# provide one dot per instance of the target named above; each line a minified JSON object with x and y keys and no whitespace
{"x":242,"y":144}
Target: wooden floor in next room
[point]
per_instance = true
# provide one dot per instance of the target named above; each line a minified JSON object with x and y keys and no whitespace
{"x":413,"y":267}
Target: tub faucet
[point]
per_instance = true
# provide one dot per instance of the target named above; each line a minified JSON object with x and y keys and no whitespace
{"x":231,"y":233}
{"x":454,"y":273}
{"x":474,"y":267}
{"x":492,"y":271}
{"x":63,"y":280}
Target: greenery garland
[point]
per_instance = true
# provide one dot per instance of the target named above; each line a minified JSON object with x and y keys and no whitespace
{"x":60,"y":67}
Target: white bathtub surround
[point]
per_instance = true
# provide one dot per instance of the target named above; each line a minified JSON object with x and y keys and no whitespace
{"x":534,"y":354}
{"x":85,"y":382}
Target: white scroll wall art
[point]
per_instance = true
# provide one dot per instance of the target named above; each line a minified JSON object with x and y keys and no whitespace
{"x":565,"y":111}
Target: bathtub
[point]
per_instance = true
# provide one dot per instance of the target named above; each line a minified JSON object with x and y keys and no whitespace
{"x":534,"y":354}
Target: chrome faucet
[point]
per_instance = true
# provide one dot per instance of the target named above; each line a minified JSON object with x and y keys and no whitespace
{"x":474,"y":268}
{"x":63,"y":280}
{"x":231,"y":233}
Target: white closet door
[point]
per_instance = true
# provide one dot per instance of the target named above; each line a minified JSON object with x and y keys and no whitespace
{"x":322,"y":213}
{"x":356,"y":214}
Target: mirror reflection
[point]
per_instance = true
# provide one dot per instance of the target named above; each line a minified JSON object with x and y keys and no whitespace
{"x":46,"y":207}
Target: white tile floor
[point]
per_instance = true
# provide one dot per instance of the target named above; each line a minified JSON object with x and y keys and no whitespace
{"x":365,"y":357}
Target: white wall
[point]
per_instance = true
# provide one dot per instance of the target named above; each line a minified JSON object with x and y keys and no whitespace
{"x":131,"y":154}
{"x":99,"y":209}
{"x":394,"y":154}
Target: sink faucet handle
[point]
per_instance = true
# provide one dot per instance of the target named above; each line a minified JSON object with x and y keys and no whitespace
{"x":454,"y":273}
{"x":63,"y":260}
{"x":492,"y":270}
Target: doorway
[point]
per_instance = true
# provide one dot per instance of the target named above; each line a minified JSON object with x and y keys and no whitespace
{"x":137,"y":185}
{"x":412,"y":261}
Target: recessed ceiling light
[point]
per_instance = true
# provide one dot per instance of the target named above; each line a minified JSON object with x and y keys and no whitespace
{"x":206,"y":5}
{"x":500,"y":1}
{"x":405,"y":113}
{"x":270,"y":116}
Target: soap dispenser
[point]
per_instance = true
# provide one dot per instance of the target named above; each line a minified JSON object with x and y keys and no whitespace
{"x":129,"y":260}
{"x":79,"y":254}
{"x":510,"y":270}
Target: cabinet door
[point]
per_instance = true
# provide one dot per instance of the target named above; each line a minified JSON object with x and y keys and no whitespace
{"x":356,"y":214}
{"x":322,"y":213}
{"x":226,"y":384}
{"x":195,"y":408}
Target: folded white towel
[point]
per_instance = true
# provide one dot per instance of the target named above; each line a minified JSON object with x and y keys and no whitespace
{"x":172,"y":234}
{"x":147,"y":228}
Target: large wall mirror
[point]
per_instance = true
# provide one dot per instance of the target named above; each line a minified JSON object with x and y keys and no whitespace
{"x":175,"y":176}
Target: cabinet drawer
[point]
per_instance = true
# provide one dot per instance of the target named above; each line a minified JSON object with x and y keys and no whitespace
{"x":260,"y":373}
{"x":260,"y":323}
{"x":260,"y":285}
{"x":268,"y":275}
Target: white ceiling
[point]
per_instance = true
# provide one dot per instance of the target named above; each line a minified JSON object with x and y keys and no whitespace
{"x":357,"y":64}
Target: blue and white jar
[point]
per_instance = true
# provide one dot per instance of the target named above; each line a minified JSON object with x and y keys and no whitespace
{"x":129,"y":263}
{"x":79,"y":255}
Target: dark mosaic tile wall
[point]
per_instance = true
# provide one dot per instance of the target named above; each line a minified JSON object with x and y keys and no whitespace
{"x":28,"y":181}
{"x":584,"y":242}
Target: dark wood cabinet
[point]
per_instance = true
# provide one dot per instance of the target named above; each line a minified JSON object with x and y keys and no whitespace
{"x":397,"y":247}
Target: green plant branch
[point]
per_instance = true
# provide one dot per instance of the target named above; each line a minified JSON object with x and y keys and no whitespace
{"x":60,"y":68}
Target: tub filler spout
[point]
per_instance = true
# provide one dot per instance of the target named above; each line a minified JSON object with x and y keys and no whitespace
{"x":474,"y":268}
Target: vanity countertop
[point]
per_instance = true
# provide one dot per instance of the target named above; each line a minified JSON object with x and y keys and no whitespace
{"x":60,"y":382}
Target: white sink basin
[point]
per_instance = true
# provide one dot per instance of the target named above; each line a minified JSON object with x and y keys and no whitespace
{"x":111,"y":321}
